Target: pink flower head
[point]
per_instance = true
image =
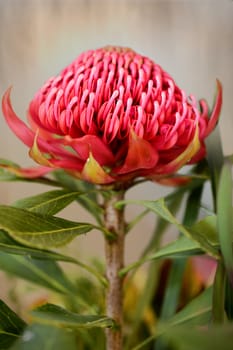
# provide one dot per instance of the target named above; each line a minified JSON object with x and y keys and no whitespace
{"x":113,"y":115}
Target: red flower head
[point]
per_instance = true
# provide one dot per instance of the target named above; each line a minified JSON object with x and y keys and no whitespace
{"x":113,"y":115}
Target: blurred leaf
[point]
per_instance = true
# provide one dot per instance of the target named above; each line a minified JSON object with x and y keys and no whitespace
{"x":212,"y":338}
{"x":201,"y":237}
{"x":159,"y":207}
{"x":42,"y":272}
{"x":44,"y":337}
{"x":173,"y":201}
{"x":48,"y":203}
{"x":207,"y":227}
{"x":229,"y":301}
{"x":5,"y":174}
{"x":179,"y":248}
{"x":218,"y":300}
{"x":196,"y":313}
{"x":89,"y":200}
{"x":184,"y":246}
{"x":11,"y":326}
{"x":8,"y":245}
{"x":229,"y":158}
{"x":136,"y":220}
{"x":37,"y":230}
{"x":224,"y":218}
{"x":215,"y":160}
{"x":60,"y":317}
{"x":176,"y":273}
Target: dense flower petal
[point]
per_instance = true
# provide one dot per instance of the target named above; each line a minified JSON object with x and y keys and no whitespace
{"x":183,"y":158}
{"x":113,"y":115}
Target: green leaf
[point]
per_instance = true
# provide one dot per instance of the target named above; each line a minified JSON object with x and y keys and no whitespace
{"x":8,"y":245}
{"x":183,"y":246}
{"x":196,"y":313}
{"x":42,"y":272}
{"x":173,"y":201}
{"x":212,"y":338}
{"x":44,"y":337}
{"x":48,"y":203}
{"x":224,"y":217}
{"x":60,"y":317}
{"x":11,"y":326}
{"x":89,"y":200}
{"x":173,"y":286}
{"x":207,"y":227}
{"x":218,"y":302}
{"x":229,"y":300}
{"x":9,"y":320}
{"x":179,"y":248}
{"x":215,"y":160}
{"x":159,"y":207}
{"x":39,"y":231}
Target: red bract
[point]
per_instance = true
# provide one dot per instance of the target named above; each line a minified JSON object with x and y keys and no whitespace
{"x":113,"y":115}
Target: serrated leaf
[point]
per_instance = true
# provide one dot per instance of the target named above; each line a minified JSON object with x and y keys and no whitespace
{"x":11,"y":326}
{"x":41,"y":337}
{"x":60,"y":317}
{"x":48,"y":203}
{"x":37,"y":230}
{"x":41,"y":272}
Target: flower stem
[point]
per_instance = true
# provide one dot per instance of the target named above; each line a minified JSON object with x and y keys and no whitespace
{"x":114,"y":252}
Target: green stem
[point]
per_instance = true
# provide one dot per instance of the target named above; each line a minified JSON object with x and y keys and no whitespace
{"x":114,"y":252}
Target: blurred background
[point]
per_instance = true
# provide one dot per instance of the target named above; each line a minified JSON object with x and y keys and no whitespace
{"x":191,"y":39}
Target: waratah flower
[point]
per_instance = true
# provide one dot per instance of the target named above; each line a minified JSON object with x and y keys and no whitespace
{"x":113,"y":115}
